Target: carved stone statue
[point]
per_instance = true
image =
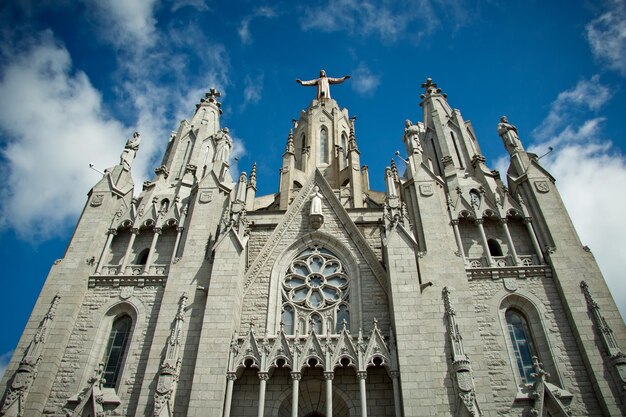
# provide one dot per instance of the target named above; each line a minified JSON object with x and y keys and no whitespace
{"x":223,"y":145}
{"x":412,"y":136}
{"x":509,"y":135}
{"x":316,"y":201}
{"x":323,"y":84}
{"x":316,"y":218}
{"x":130,"y":150}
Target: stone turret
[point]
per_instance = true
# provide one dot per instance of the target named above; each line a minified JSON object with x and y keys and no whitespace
{"x":323,"y":139}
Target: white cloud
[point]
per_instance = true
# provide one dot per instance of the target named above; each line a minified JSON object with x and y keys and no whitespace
{"x":53,"y":124}
{"x":586,"y":95}
{"x":244,"y":27}
{"x":4,"y":362}
{"x":363,"y":81}
{"x":590,"y":174}
{"x":253,"y":91}
{"x":126,"y":23}
{"x":607,"y":36}
{"x":389,"y":20}
{"x":199,"y":5}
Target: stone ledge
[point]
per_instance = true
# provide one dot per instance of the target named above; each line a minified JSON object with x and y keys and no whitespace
{"x":126,"y":280}
{"x":508,"y":272}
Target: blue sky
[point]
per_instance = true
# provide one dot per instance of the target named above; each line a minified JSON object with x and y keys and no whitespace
{"x":78,"y":77}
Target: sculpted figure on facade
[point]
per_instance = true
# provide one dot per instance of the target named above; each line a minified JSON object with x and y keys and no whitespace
{"x":130,"y":150}
{"x":323,"y":84}
{"x":412,"y":136}
{"x":509,"y":135}
{"x":223,"y":145}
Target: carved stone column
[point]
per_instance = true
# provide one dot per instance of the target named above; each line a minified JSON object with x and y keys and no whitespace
{"x":329,"y":393}
{"x":263,"y":377}
{"x":107,"y":246}
{"x":179,"y":233}
{"x":131,"y":242}
{"x":533,"y":237}
{"x":395,"y":379}
{"x":362,"y":376}
{"x":231,"y":377}
{"x":509,"y":241}
{"x":483,"y":238}
{"x":295,"y":387}
{"x":155,"y":238}
{"x":457,"y":236}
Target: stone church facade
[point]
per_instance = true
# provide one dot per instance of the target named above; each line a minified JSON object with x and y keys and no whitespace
{"x":446,"y":294}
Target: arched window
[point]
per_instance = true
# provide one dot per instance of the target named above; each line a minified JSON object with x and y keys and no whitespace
{"x":165,"y":206}
{"x":494,"y":247}
{"x":323,"y":148}
{"x":300,"y":152}
{"x":522,"y":344}
{"x":116,"y":350}
{"x":316,"y":323}
{"x":343,"y":158}
{"x":142,"y":258}
{"x":343,"y":315}
{"x":288,"y":319}
{"x":316,"y":285}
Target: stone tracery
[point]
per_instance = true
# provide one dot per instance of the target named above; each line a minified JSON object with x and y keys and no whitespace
{"x":315,"y":285}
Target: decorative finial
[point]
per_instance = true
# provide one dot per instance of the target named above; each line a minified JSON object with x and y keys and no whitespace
{"x":290,"y":147}
{"x":211,"y":97}
{"x":352,"y":137}
{"x":252,"y":180}
{"x":431,"y":89}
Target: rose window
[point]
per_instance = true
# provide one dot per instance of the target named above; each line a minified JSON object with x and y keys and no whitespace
{"x":315,"y":283}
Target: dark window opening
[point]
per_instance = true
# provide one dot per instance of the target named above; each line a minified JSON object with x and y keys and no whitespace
{"x":494,"y":247}
{"x":116,"y":349}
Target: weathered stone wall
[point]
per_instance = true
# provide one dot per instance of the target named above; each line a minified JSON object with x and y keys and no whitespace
{"x":488,"y":295}
{"x":87,"y":338}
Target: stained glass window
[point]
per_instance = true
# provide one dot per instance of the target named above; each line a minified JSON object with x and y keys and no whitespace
{"x":116,"y":350}
{"x":523,"y":348}
{"x":315,"y":286}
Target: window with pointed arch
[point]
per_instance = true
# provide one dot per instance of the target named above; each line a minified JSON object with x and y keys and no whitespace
{"x":521,"y":344}
{"x":323,"y":148}
{"x":117,"y":346}
{"x":315,"y":293}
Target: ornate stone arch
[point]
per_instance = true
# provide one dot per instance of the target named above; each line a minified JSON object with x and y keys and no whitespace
{"x":283,"y":261}
{"x":534,"y":311}
{"x":342,"y":402}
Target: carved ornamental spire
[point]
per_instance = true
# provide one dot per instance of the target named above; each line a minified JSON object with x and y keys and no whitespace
{"x":27,"y":370}
{"x":613,"y":351}
{"x":169,"y":372}
{"x":461,"y":366}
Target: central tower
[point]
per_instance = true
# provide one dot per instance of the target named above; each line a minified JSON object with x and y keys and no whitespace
{"x":323,"y":139}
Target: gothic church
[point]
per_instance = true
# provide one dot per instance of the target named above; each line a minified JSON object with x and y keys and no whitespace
{"x":446,"y":294}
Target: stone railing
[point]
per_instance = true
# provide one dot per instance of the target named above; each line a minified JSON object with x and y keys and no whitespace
{"x":502,"y":261}
{"x":132,"y":270}
{"x":133,"y":276}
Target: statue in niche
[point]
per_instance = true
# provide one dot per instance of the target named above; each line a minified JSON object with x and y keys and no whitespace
{"x":323,"y":84}
{"x":509,"y":135}
{"x":475,"y":199}
{"x":223,"y":145}
{"x":130,"y":150}
{"x":412,"y":136}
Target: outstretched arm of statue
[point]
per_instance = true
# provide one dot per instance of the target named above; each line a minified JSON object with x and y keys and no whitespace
{"x":310,"y":82}
{"x":338,"y":80}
